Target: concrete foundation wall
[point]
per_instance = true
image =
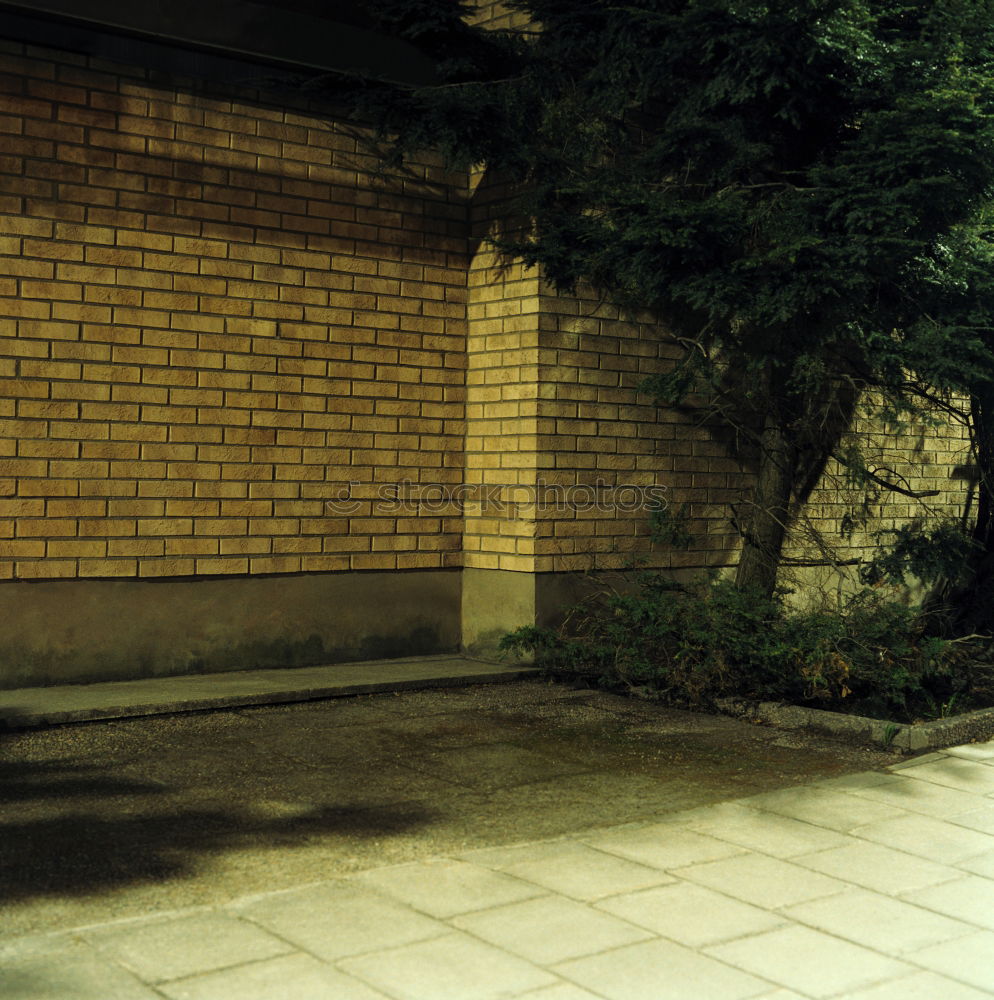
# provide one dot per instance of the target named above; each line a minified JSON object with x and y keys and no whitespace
{"x":94,"y":630}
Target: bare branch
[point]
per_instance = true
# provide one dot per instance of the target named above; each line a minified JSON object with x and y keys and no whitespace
{"x":887,"y":484}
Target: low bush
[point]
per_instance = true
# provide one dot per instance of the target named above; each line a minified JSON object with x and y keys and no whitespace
{"x":691,"y":644}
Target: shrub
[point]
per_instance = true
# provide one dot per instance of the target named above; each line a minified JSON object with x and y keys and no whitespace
{"x":691,"y":644}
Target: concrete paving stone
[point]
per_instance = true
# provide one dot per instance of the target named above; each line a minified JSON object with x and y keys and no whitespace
{"x":970,"y":899}
{"x":847,"y":782}
{"x":955,"y":772}
{"x":338,"y":919}
{"x":917,"y":796}
{"x":835,"y":810}
{"x":919,"y":986}
{"x":766,"y":882}
{"x":808,"y":961}
{"x":663,"y":846}
{"x":685,"y":817}
{"x":969,"y":960}
{"x":291,"y":977}
{"x":981,"y":819}
{"x":879,"y":868}
{"x":925,"y":758}
{"x":887,"y":925}
{"x":766,"y":832}
{"x":928,"y":838}
{"x":69,"y":971}
{"x":502,"y":858}
{"x":661,"y":970}
{"x":443,"y":887}
{"x":453,"y":967}
{"x":550,"y":929}
{"x":983,"y":865}
{"x":973,"y":751}
{"x":30,"y":946}
{"x":579,"y":871}
{"x":560,"y":991}
{"x":690,"y":914}
{"x":184,"y":946}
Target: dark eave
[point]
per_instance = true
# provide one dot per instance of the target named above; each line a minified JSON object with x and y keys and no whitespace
{"x":220,"y":37}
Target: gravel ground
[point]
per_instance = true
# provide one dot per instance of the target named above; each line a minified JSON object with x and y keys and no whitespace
{"x":117,"y":819}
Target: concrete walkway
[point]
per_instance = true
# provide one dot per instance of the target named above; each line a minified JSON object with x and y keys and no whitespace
{"x":873,"y":886}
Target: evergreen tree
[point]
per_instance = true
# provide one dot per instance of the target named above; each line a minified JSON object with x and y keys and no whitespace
{"x":791,"y":187}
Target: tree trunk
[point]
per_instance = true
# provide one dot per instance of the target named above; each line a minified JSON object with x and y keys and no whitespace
{"x":766,"y":526}
{"x":982,"y":417}
{"x":972,"y":601}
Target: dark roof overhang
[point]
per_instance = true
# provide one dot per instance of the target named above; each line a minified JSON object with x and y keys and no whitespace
{"x":231,"y":40}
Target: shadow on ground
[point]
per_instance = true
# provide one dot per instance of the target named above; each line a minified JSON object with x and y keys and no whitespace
{"x":113,"y":819}
{"x":77,"y":852}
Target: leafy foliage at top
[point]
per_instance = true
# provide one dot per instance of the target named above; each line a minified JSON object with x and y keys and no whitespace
{"x":798,"y":182}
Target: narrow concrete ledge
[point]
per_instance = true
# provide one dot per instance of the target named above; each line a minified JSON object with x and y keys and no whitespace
{"x":914,"y":736}
{"x":24,"y":708}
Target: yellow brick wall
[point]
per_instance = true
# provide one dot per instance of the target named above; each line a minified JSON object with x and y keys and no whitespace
{"x":598,"y":431}
{"x":842,"y":522}
{"x":212,"y":314}
{"x":502,"y":390}
{"x":593,"y":427}
{"x":217,"y":316}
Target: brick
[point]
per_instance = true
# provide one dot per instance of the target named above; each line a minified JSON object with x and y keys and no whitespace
{"x":46,"y":528}
{"x":21,"y":548}
{"x":220,"y":526}
{"x":107,"y":567}
{"x":22,"y":508}
{"x":123,"y":547}
{"x":50,"y":369}
{"x":47,"y":569}
{"x":11,"y":225}
{"x":136,"y":508}
{"x":207,"y":566}
{"x":192,"y":508}
{"x":25,"y":467}
{"x":75,"y":548}
{"x":48,"y":487}
{"x":217,"y":489}
{"x":245,"y":546}
{"x":41,"y":449}
{"x":275,"y":564}
{"x":159,"y":489}
{"x":166,"y":567}
{"x":324,"y":563}
{"x":75,"y":508}
{"x":164,"y":526}
{"x":106,"y":528}
{"x":94,"y":392}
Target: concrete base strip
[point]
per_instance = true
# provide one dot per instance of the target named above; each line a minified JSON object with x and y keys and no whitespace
{"x":24,"y":708}
{"x":913,"y":736}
